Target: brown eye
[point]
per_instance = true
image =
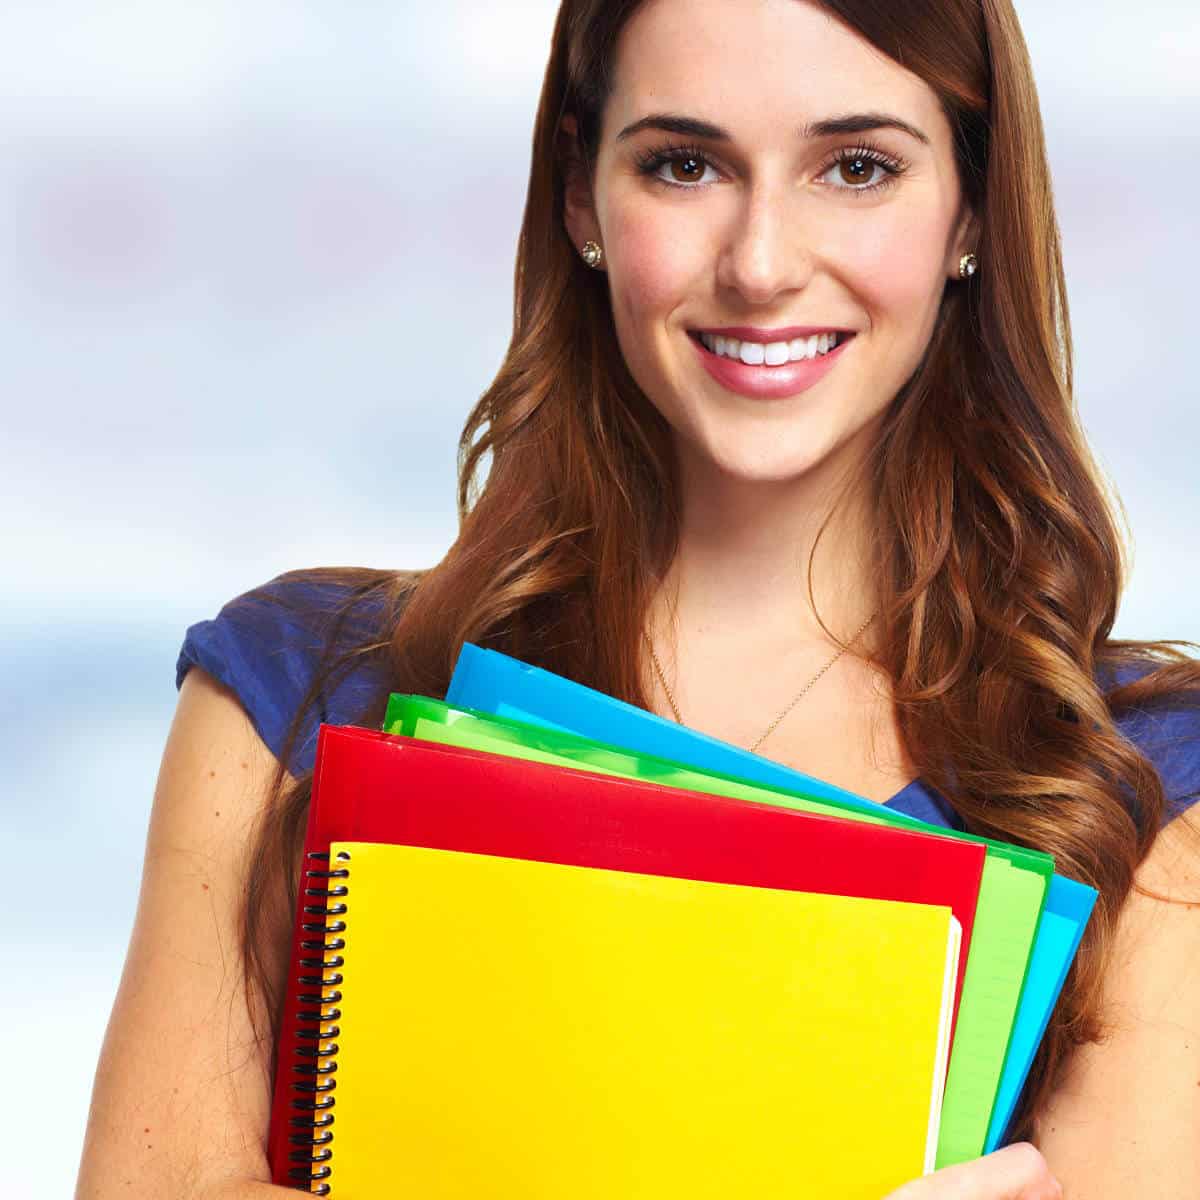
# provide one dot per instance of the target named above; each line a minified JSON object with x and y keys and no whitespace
{"x":856,"y":170}
{"x":687,"y":170}
{"x":687,"y":165}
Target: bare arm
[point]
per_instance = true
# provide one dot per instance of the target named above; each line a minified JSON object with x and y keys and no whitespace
{"x":181,"y":1099}
{"x":1126,"y":1120}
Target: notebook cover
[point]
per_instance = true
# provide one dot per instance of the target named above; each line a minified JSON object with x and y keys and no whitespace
{"x":497,"y":683}
{"x":992,"y":971}
{"x":436,"y":721}
{"x":528,"y":1028}
{"x":371,"y":786}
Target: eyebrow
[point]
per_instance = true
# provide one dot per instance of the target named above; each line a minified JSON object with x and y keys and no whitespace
{"x":830,"y":127}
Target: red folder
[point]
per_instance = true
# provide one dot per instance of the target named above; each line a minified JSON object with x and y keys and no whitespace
{"x":371,"y":786}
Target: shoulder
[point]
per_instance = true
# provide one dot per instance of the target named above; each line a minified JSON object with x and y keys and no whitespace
{"x":307,"y":643}
{"x":1156,"y":707}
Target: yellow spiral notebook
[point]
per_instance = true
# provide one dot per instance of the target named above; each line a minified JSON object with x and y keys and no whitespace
{"x":524,"y":1030}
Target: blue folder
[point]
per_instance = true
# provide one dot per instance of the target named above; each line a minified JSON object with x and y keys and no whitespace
{"x":506,"y":687}
{"x":1068,"y":907}
{"x":495,"y":683}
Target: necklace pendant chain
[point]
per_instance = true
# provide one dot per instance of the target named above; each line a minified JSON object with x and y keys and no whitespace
{"x":662,"y":679}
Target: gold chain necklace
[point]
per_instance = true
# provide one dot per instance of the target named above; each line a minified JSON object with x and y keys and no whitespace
{"x":796,"y":700}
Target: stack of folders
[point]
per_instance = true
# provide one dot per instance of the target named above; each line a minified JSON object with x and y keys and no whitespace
{"x":549,"y":944}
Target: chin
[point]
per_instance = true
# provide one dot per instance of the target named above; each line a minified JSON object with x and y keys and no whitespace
{"x":757,"y":453}
{"x":804,"y":446}
{"x":769,"y":465}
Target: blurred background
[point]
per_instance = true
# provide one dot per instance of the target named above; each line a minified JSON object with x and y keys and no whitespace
{"x":232,"y":234}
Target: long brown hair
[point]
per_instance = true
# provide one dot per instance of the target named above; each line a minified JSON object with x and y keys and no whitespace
{"x":1000,"y":559}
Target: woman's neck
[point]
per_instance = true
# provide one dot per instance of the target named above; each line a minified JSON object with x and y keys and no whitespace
{"x":741,"y":566}
{"x":739,"y":646}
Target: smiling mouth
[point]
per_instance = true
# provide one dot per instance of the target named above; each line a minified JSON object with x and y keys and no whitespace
{"x":800,"y":349}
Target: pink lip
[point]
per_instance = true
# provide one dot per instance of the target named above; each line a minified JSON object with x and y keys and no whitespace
{"x":768,"y":383}
{"x":755,"y":333}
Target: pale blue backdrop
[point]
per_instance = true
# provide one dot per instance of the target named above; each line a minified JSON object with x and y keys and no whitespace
{"x":234,"y":235}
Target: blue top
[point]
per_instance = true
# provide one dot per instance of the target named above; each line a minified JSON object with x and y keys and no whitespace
{"x":267,"y":645}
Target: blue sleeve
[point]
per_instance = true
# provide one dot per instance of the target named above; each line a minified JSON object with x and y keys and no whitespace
{"x":1167,"y":732}
{"x":268,"y":646}
{"x":1170,"y":738}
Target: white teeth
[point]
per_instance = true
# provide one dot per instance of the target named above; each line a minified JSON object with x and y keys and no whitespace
{"x":773,"y":354}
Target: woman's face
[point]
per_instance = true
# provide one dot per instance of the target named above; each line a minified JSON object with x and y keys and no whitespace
{"x":777,"y":224}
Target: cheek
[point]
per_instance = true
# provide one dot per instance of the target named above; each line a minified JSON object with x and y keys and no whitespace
{"x":894,"y":265}
{"x":656,"y":265}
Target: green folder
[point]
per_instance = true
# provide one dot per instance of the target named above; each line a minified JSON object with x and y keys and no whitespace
{"x":1011,"y":895}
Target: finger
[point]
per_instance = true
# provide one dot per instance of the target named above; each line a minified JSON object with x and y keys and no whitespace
{"x":1018,"y":1172}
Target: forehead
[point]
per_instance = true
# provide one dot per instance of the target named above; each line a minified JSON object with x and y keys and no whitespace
{"x":760,"y":68}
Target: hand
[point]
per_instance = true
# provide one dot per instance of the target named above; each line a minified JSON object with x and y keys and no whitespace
{"x":1018,"y":1172}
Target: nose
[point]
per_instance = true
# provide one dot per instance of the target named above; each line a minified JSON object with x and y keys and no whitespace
{"x":769,"y":249}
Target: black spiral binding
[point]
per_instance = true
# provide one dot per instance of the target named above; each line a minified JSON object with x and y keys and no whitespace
{"x":312,"y":1100}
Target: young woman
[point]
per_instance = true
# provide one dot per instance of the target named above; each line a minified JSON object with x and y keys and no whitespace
{"x":787,"y":409}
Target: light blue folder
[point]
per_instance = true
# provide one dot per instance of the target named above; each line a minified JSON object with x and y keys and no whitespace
{"x":493,"y":682}
{"x":1068,"y":907}
{"x":506,"y":687}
